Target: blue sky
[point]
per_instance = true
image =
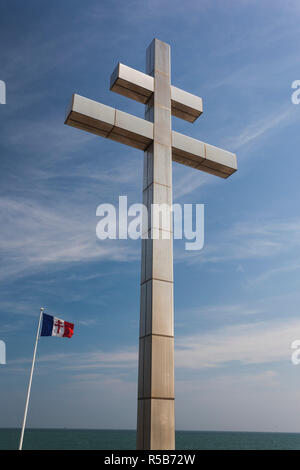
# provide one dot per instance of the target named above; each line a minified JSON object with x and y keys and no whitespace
{"x":237,"y":301}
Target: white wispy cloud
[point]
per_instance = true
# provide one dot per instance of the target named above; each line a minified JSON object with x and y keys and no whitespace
{"x":256,"y":239}
{"x":279,"y":270}
{"x":260,"y":342}
{"x":35,"y":235}
{"x":188,"y":182}
{"x":84,"y":361}
{"x":221,"y":311}
{"x":245,"y":136}
{"x":255,"y":130}
{"x":254,"y":343}
{"x":266,"y":379}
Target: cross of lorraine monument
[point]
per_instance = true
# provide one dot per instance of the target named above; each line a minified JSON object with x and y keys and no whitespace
{"x":161,"y":145}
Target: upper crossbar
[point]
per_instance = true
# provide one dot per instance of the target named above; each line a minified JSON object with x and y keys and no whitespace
{"x":140,"y":86}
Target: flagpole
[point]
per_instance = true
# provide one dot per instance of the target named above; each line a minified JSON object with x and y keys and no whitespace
{"x":30,"y":380}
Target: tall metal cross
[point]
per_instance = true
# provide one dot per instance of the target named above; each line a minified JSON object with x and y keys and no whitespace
{"x":161,"y":145}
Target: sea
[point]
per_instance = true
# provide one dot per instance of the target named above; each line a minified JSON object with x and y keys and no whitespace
{"x":83,"y":439}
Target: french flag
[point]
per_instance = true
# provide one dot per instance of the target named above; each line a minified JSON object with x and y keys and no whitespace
{"x":53,"y":326}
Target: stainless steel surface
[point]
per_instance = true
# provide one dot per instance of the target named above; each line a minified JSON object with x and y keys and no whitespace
{"x":113,"y":124}
{"x":156,"y":419}
{"x":202,"y":156}
{"x":108,"y":122}
{"x":140,"y":87}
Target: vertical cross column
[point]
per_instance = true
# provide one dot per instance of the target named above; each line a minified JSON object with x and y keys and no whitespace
{"x":156,"y":421}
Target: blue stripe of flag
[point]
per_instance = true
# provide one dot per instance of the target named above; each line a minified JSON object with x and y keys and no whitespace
{"x":47,"y":325}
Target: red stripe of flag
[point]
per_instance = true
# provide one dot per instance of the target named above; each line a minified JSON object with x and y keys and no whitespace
{"x":69,"y":330}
